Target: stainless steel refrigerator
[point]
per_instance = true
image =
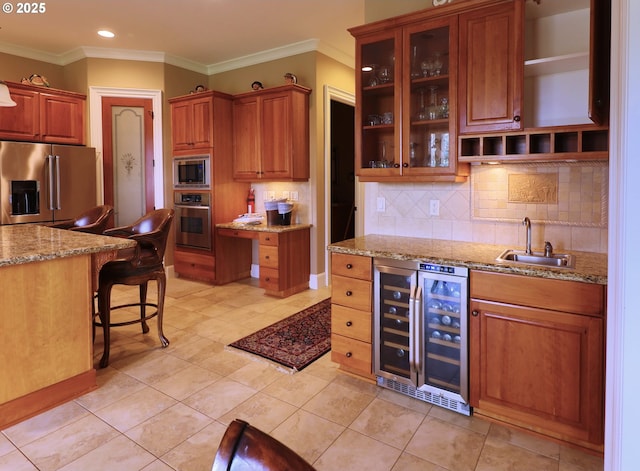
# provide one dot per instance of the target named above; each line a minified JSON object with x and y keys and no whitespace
{"x":45,"y":182}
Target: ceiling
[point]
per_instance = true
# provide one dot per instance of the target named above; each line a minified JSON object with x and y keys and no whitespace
{"x":202,"y":35}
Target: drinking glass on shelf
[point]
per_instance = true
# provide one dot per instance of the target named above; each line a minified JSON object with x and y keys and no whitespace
{"x":434,"y":111}
{"x":385,"y":75}
{"x":422,"y":111}
{"x":416,"y":72}
{"x":437,"y":64}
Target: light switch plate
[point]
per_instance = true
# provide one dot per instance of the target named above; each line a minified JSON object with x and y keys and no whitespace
{"x":381,"y":204}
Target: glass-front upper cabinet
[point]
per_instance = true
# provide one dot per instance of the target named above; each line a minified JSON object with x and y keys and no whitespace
{"x":406,"y":103}
{"x":378,"y":103}
{"x":428,"y":133}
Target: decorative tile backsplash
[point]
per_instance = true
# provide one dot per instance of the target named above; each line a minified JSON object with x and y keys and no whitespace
{"x":489,"y":207}
{"x":567,"y":194}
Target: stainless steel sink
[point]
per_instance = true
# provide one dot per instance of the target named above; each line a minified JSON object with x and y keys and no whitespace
{"x":560,"y":260}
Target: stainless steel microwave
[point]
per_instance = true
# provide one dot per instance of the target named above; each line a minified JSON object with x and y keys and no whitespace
{"x":191,"y":172}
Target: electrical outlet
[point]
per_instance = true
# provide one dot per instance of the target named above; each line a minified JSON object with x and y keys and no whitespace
{"x":434,"y":207}
{"x":293,"y":195}
{"x":285,"y":195}
{"x":381,"y":204}
{"x":271,"y":195}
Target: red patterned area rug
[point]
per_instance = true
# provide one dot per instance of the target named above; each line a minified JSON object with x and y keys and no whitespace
{"x":294,"y":342}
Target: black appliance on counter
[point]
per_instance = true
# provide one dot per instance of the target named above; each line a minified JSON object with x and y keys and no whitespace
{"x":421,"y":331}
{"x":44,"y":182}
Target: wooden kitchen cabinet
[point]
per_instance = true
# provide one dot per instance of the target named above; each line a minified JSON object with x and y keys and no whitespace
{"x":284,"y":261}
{"x":192,"y":121}
{"x":537,"y":355}
{"x":351,"y":321}
{"x":201,"y":125}
{"x":490,"y":89}
{"x":43,"y":115}
{"x":406,"y":100}
{"x":271,"y":134}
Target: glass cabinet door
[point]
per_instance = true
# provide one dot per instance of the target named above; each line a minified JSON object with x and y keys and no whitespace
{"x":445,"y":333}
{"x":429,"y":100}
{"x":378,"y":120}
{"x":393,"y":324}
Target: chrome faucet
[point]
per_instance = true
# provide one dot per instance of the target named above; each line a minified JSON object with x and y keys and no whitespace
{"x":527,"y":222}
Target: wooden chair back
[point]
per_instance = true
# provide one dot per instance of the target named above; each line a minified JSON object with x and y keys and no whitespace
{"x":246,"y":448}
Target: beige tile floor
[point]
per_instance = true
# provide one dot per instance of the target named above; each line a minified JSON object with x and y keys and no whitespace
{"x":167,"y":409}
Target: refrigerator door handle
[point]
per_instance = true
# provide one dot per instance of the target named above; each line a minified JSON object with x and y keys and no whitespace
{"x":57,"y":182}
{"x":418,"y":329}
{"x":412,"y":328}
{"x":50,"y":159}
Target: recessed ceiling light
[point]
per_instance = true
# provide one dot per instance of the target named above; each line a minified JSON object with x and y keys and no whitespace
{"x":105,"y":33}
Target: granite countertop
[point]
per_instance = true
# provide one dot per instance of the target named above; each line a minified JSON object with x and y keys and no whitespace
{"x":589,"y":267}
{"x":26,"y":243}
{"x":262,"y":227}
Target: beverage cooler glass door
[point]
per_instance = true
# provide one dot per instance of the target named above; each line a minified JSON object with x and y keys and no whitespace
{"x":394,"y":324}
{"x":444,"y":313}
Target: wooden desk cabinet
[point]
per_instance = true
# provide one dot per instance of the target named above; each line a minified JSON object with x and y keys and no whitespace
{"x":284,"y":262}
{"x":351,"y":304}
{"x":284,"y":257}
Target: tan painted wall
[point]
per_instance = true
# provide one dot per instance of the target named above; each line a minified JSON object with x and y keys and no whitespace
{"x":13,"y":68}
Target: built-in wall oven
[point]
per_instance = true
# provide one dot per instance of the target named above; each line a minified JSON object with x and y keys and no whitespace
{"x":193,"y":219}
{"x":421,"y":331}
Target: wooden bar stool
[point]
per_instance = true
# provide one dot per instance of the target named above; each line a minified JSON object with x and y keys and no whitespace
{"x":136,"y":266}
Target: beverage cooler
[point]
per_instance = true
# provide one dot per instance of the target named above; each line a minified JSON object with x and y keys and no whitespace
{"x":421,"y":331}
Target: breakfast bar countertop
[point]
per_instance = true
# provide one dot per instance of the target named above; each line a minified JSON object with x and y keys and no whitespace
{"x":590,"y":267}
{"x":26,"y":243}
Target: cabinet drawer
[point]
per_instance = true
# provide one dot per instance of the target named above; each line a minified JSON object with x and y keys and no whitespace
{"x":268,"y":256}
{"x":224,"y":232}
{"x":351,"y":323}
{"x":195,"y":266}
{"x":351,"y":292}
{"x":268,"y":238}
{"x":354,"y":266}
{"x":269,"y":279}
{"x":351,"y":354}
{"x":557,"y":295}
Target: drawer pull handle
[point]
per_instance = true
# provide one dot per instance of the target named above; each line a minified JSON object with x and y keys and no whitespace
{"x":349,"y":266}
{"x":348,"y":354}
{"x":349,"y":323}
{"x":348,"y":293}
{"x":474,"y":313}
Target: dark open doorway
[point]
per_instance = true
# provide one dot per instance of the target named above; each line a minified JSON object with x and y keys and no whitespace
{"x":342,"y":172}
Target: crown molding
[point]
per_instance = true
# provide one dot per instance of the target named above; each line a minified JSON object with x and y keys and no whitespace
{"x":84,"y":52}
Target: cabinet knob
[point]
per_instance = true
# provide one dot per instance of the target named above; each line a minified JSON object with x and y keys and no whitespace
{"x":405,"y":165}
{"x":348,"y":293}
{"x":267,"y":279}
{"x":348,"y":354}
{"x":516,"y":118}
{"x":349,"y":266}
{"x":474,"y":313}
{"x":267,"y":238}
{"x":396,"y":165}
{"x":266,"y":257}
{"x":349,"y":323}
